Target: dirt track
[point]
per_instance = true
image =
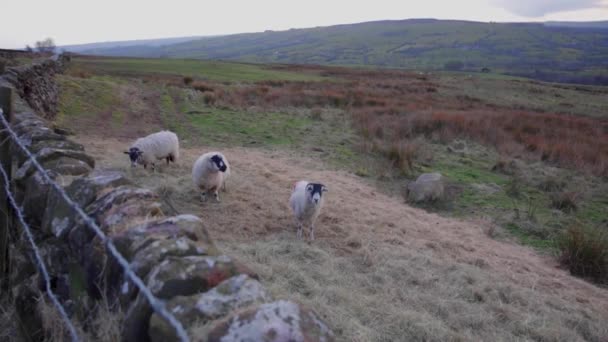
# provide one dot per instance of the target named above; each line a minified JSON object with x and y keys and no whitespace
{"x":359,"y":221}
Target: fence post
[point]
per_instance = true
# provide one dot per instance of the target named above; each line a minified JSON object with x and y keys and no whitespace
{"x":6,"y":109}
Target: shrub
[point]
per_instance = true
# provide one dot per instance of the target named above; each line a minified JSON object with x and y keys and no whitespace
{"x":316,"y":114}
{"x":402,"y":154}
{"x":584,"y":251}
{"x":566,"y":201}
{"x":209,"y":98}
{"x":188,"y":80}
{"x":202,"y":86}
{"x":513,"y":187}
{"x":552,"y":184}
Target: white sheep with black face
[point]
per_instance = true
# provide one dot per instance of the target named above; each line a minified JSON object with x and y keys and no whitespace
{"x":209,"y":173}
{"x":160,"y":145}
{"x":306,"y":201}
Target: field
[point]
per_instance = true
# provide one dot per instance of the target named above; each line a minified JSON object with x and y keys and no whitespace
{"x":478,"y":265}
{"x":554,"y":53}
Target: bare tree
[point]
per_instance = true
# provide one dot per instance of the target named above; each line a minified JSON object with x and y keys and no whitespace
{"x":29,"y":49}
{"x":46,"y":46}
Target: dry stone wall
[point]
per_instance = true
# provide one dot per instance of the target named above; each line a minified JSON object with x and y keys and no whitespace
{"x":212,"y":294}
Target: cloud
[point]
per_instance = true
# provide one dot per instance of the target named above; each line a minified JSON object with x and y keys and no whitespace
{"x":539,"y":8}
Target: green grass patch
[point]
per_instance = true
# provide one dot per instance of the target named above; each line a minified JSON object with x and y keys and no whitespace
{"x":87,"y":97}
{"x":527,"y":239}
{"x":207,"y":70}
{"x":169,"y":113}
{"x":247,"y":129}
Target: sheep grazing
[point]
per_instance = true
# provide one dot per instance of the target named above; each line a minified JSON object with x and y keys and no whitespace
{"x":156,"y":146}
{"x":306,"y":201}
{"x":209,"y":173}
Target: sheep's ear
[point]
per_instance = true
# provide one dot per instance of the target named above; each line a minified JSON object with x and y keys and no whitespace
{"x":139,"y":153}
{"x":126,"y":152}
{"x":325,"y":189}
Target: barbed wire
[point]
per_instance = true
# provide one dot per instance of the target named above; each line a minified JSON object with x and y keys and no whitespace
{"x":41,"y":266}
{"x":154,"y":302}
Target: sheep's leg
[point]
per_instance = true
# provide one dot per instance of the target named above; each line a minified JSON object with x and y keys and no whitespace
{"x":312,"y":232}
{"x":203,"y":196}
{"x":217,"y":196}
{"x":299,"y":233}
{"x":168,"y":159}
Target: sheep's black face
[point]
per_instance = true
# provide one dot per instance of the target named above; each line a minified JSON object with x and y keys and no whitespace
{"x":134,"y":155}
{"x":219,"y":163}
{"x":315,"y":191}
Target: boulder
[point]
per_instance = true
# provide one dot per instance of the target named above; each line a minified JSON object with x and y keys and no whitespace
{"x":273,"y":322}
{"x":427,"y":187}
{"x":196,"y":311}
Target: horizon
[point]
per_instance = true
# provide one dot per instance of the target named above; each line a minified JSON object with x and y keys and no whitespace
{"x":100,"y":23}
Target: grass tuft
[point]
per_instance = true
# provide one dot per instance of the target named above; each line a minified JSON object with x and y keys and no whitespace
{"x":584,"y":251}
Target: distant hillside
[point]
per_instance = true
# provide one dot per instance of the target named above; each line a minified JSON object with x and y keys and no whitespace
{"x":126,"y":44}
{"x":564,"y":52}
{"x":578,"y":24}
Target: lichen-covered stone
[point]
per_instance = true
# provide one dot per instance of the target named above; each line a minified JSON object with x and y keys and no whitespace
{"x":62,"y":161}
{"x":80,"y":235}
{"x":35,"y":197}
{"x":59,"y":217}
{"x":139,"y":237}
{"x":195,"y":311}
{"x":152,"y":255}
{"x":178,"y":276}
{"x":24,"y":124}
{"x":36,"y":147}
{"x":38,"y":134}
{"x":95,"y":258}
{"x":273,"y":322}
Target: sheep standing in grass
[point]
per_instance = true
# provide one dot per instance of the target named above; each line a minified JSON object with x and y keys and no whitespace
{"x":306,"y":201}
{"x":209,"y":173}
{"x":156,"y":146}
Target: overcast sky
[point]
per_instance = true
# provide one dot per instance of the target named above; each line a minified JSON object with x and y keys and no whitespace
{"x":80,"y":21}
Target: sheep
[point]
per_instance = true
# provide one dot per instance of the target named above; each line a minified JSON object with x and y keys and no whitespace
{"x":306,"y":201}
{"x":159,"y":145}
{"x":209,"y":173}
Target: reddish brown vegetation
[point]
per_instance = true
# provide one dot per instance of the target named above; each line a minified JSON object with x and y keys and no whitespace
{"x":389,"y":108}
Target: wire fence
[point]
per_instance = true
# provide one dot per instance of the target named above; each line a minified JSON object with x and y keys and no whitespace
{"x":157,"y":305}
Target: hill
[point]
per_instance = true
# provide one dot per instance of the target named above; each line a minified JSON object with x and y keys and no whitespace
{"x":92,"y":47}
{"x":550,"y":52}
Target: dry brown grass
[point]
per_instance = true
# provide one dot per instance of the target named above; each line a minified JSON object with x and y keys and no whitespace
{"x":379,"y":269}
{"x":8,"y":321}
{"x":101,"y":322}
{"x":584,"y":251}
